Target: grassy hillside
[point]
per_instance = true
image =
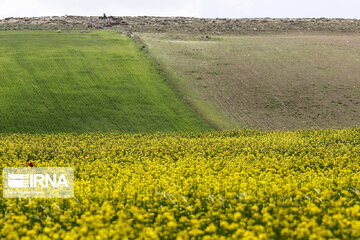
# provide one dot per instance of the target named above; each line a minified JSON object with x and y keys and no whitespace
{"x":82,"y":82}
{"x":272,"y":81}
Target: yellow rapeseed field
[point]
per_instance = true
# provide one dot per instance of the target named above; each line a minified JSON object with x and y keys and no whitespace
{"x":217,"y":185}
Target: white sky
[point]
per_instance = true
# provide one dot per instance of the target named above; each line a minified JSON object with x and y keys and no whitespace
{"x":195,"y":8}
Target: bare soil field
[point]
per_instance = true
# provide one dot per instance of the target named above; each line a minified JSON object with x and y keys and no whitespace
{"x":272,"y":81}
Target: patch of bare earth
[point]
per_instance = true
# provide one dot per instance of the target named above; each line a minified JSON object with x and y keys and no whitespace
{"x":277,"y":81}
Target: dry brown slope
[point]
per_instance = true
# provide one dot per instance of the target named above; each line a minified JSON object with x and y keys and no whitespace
{"x":283,"y":81}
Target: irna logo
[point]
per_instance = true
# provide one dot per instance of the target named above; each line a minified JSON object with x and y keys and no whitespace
{"x":36,"y":182}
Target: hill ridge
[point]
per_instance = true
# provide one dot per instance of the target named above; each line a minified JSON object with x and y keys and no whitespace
{"x":182,"y":24}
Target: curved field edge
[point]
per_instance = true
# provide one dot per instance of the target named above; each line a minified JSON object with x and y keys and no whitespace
{"x":74,"y":81}
{"x":204,"y":108}
{"x":233,"y":184}
{"x":178,"y":85}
